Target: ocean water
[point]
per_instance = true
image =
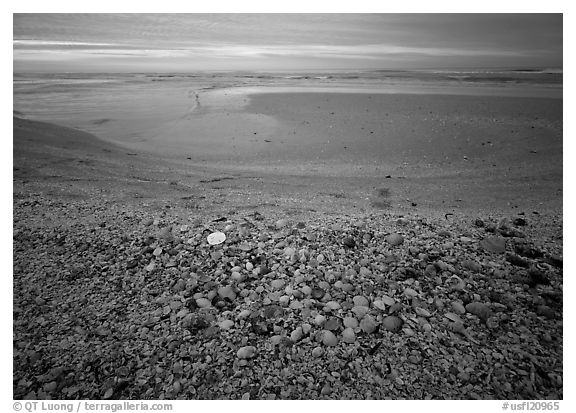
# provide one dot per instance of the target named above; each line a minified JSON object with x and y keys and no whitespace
{"x":128,"y":108}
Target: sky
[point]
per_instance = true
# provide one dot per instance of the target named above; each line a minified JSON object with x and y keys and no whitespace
{"x":276,"y":42}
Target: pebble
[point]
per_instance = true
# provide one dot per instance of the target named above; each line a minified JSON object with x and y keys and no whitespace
{"x":395,"y":239}
{"x":249,"y":266}
{"x":379,"y":304}
{"x":329,"y":339}
{"x":246,"y":352}
{"x":348,"y":335}
{"x":333,"y":305}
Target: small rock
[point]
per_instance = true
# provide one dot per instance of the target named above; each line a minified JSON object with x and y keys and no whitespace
{"x":108,"y":393}
{"x":246,"y":352}
{"x":395,"y":239}
{"x":379,"y":304}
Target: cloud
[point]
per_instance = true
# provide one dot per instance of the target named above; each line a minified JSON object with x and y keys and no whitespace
{"x":361,"y":51}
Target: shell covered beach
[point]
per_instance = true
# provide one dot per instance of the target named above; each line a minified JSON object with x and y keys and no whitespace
{"x":377,"y":245}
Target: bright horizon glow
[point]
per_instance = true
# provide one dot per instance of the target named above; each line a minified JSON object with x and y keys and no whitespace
{"x":260,"y":42}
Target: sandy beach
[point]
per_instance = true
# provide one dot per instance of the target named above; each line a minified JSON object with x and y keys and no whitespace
{"x":432,"y":221}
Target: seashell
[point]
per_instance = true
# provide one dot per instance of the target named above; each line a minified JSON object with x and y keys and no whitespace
{"x":360,"y":300}
{"x":329,"y":339}
{"x":422,"y":312}
{"x":227,"y":292}
{"x":216,"y":238}
{"x":246,"y":352}
{"x":368,"y":324}
{"x":409,"y":292}
{"x":456,"y":283}
{"x":387,"y":300}
{"x":458,"y":307}
{"x":350,"y":322}
{"x":332,"y":324}
{"x":392,"y":323}
{"x":360,"y":311}
{"x":481,"y":310}
{"x":454,"y":317}
{"x":296,"y":335}
{"x":348,"y":335}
